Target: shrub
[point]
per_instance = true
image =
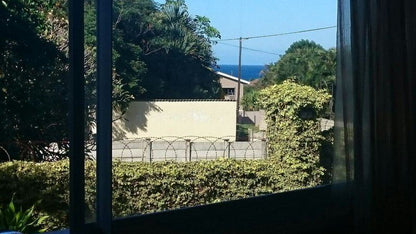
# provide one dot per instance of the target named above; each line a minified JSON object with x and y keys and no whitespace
{"x":33,"y":182}
{"x":250,"y":99}
{"x":141,"y":187}
{"x":293,"y":130}
{"x":13,"y":219}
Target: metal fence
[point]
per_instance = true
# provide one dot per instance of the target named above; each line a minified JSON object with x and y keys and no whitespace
{"x":179,"y":149}
{"x":186,"y":149}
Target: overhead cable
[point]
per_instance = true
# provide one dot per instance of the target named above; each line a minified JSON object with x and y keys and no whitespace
{"x":246,"y":48}
{"x":277,"y":34}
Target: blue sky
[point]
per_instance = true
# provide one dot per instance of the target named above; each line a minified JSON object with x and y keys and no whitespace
{"x":235,"y":18}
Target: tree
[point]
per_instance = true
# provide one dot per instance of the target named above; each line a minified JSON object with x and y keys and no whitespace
{"x":250,"y":99}
{"x":33,"y":89}
{"x":179,"y":56}
{"x":158,"y":52}
{"x":303,"y":44}
{"x":304,"y":62}
{"x":130,"y":19}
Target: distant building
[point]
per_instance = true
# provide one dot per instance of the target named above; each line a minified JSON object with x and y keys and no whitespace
{"x":254,"y":82}
{"x":229,"y":86}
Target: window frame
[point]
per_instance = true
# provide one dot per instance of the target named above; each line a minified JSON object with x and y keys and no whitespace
{"x":314,"y":209}
{"x":229,"y":91}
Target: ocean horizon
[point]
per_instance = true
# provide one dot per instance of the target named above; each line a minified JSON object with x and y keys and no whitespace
{"x":248,"y":72}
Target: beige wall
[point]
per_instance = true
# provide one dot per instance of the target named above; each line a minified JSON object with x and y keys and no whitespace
{"x":177,"y":118}
{"x":258,"y":118}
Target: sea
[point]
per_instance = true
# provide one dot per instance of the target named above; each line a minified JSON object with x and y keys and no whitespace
{"x":248,"y":72}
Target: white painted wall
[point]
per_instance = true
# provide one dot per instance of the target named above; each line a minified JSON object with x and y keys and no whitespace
{"x":177,"y":118}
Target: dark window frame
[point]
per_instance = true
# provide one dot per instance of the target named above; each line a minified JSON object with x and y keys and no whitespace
{"x":319,"y":209}
{"x":229,"y":91}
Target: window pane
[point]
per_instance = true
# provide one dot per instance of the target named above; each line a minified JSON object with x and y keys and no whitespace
{"x":34,"y":136}
{"x":177,"y":139}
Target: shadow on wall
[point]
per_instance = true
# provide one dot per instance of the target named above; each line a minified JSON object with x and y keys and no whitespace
{"x":133,"y":120}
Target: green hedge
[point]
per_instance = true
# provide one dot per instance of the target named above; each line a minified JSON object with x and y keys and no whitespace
{"x":294,"y":135}
{"x":141,"y":187}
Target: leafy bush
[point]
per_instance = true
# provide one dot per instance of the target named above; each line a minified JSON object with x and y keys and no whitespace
{"x":32,"y":182}
{"x":293,"y":130}
{"x":243,"y":131}
{"x":13,"y":219}
{"x":141,"y":187}
{"x":250,"y":98}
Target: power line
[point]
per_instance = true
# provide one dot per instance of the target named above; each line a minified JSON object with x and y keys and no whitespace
{"x":277,"y":34}
{"x":251,"y":49}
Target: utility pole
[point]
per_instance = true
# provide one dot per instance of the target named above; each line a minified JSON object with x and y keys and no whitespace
{"x":239,"y":77}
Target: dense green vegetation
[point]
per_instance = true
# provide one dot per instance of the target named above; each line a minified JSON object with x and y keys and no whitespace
{"x":243,"y":131}
{"x":294,"y":135}
{"x":16,"y":219}
{"x":159,"y":51}
{"x":32,"y":77}
{"x":295,"y":143}
{"x":250,"y":98}
{"x":305,"y":63}
{"x":143,"y":187}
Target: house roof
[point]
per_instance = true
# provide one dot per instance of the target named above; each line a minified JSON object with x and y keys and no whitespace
{"x":254,"y":82}
{"x":230,"y":77}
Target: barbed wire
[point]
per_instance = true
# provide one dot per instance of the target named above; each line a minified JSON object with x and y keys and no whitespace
{"x":186,"y":149}
{"x":169,"y":148}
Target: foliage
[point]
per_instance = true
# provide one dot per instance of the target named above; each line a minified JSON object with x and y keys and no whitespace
{"x":32,"y":182}
{"x":306,"y":63}
{"x":159,"y":51}
{"x":142,"y":187}
{"x":303,"y":44}
{"x":179,"y":55}
{"x":243,"y":131}
{"x":250,"y":99}
{"x":327,"y":155}
{"x":293,"y":130}
{"x":127,"y":66}
{"x":13,"y":219}
{"x":33,"y":83}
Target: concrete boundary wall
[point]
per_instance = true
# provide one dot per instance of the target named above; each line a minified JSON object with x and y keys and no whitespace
{"x":257,"y":118}
{"x":176,"y":118}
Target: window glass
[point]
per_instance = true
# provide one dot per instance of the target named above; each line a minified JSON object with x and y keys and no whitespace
{"x":177,"y":139}
{"x":184,"y":131}
{"x":229,"y":91}
{"x":34,"y":174}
